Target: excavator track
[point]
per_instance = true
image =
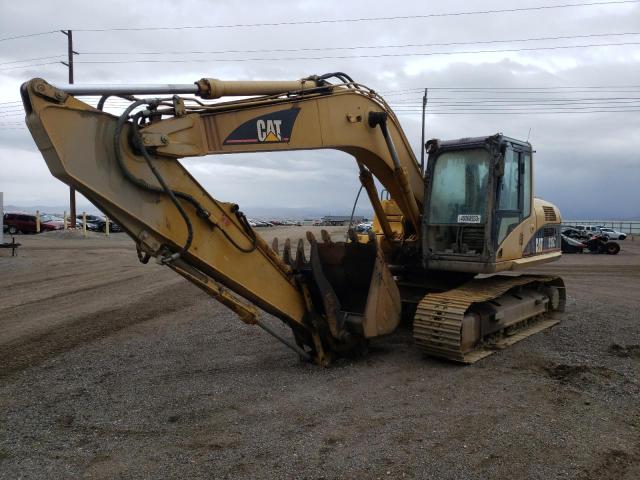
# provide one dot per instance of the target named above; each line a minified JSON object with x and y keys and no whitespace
{"x":440,"y":317}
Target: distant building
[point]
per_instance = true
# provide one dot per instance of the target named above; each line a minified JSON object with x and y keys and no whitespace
{"x":340,"y":220}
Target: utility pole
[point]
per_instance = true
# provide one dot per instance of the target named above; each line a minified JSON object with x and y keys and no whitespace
{"x":424,"y":113}
{"x":69,"y":64}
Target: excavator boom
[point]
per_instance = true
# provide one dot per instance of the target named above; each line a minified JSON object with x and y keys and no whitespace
{"x":171,"y":217}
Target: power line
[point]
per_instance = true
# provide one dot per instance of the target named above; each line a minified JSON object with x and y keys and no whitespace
{"x":453,"y":108}
{"x":360,"y":47}
{"x":453,"y":96}
{"x":517,"y":100}
{"x":325,"y":21}
{"x":27,"y":35}
{"x":28,"y":66}
{"x":509,"y":108}
{"x":382,"y":55}
{"x":360,"y":19}
{"x":508,"y":93}
{"x":419,"y":112}
{"x":32,"y":59}
{"x":420,"y":89}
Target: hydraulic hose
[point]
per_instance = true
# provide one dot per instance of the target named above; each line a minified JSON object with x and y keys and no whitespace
{"x":173,"y":194}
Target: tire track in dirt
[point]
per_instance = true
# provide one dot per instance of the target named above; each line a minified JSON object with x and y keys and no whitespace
{"x":29,"y":351}
{"x":76,"y":291}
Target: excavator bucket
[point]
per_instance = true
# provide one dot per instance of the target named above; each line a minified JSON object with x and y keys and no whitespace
{"x":353,"y":286}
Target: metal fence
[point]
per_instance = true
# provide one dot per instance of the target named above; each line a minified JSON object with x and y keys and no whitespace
{"x":627,"y":226}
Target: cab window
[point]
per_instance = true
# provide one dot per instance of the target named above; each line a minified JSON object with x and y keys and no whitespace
{"x":509,"y":185}
{"x":508,"y":214}
{"x":526,"y":184}
{"x":514,"y":191}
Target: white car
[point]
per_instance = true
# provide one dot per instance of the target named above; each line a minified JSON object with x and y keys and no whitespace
{"x":589,"y":230}
{"x":364,"y":227}
{"x":611,"y":234}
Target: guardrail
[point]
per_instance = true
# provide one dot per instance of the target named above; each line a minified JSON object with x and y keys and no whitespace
{"x":631,"y":227}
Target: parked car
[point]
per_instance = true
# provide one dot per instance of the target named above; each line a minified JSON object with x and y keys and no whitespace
{"x":18,"y":222}
{"x":364,"y":227}
{"x":96,"y":223}
{"x":260,"y":223}
{"x":611,"y":234}
{"x":589,"y":230}
{"x":574,"y":233}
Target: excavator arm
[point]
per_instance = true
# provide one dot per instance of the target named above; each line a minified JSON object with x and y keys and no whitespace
{"x":128,"y":167}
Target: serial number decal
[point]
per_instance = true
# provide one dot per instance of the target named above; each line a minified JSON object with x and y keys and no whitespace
{"x":469,"y":218}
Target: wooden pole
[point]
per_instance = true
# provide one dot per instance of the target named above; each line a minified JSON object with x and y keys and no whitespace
{"x":64,"y":218}
{"x":106,"y":226}
{"x":69,"y":64}
{"x":84,"y":224}
{"x":37,"y":221}
{"x":424,"y":114}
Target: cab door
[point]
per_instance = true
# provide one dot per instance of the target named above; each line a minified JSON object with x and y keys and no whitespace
{"x":513,"y":202}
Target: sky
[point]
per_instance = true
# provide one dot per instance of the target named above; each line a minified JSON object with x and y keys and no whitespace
{"x":587,"y":140}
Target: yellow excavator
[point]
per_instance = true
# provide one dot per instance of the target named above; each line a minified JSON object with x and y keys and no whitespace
{"x":438,"y":240}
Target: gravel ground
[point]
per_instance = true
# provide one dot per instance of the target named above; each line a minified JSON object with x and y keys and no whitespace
{"x":112,"y":369}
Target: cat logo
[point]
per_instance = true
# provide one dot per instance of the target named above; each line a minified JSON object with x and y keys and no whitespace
{"x":269,"y":130}
{"x":275,"y":127}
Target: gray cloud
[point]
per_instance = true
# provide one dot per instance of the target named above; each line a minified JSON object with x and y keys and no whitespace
{"x":578,"y":155}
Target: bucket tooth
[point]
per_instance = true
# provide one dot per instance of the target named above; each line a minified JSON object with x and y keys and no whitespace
{"x":300,"y":259}
{"x":326,"y":238}
{"x":274,"y":245}
{"x":311,"y":237}
{"x":286,"y":253}
{"x":353,"y":236}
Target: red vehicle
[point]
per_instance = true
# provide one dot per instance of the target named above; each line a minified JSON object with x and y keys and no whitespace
{"x":17,"y":222}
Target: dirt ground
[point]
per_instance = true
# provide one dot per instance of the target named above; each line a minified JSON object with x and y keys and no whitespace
{"x":113,"y":369}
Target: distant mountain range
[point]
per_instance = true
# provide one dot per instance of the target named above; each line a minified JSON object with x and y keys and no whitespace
{"x":264,"y":213}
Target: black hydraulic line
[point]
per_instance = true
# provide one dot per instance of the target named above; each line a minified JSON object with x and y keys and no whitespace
{"x":104,"y":98}
{"x":247,"y":228}
{"x":422,"y":145}
{"x":200,"y":211}
{"x":340,"y":75}
{"x":379,"y":119}
{"x":132,"y":178}
{"x":167,"y":190}
{"x":343,"y":77}
{"x":353,"y":210}
{"x":287,"y":342}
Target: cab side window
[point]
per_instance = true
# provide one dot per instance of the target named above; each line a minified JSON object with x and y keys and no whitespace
{"x":526,"y":185}
{"x":508,"y":214}
{"x":509,"y":185}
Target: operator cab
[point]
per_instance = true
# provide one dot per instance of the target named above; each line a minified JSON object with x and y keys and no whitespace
{"x":477,"y":191}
